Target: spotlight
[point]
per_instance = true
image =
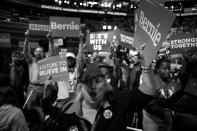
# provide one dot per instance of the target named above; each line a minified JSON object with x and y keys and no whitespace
{"x":60,"y":2}
{"x":84,"y":4}
{"x":104,"y":27}
{"x":109,"y":27}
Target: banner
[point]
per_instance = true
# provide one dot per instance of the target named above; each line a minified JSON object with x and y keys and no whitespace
{"x":99,"y":41}
{"x":153,"y":24}
{"x":39,"y":27}
{"x":180,"y":43}
{"x":124,"y":38}
{"x":65,"y":26}
{"x":54,"y":66}
{"x":5,"y":41}
{"x":102,"y":41}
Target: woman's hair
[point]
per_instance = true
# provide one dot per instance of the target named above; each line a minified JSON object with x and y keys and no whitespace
{"x":8,"y":96}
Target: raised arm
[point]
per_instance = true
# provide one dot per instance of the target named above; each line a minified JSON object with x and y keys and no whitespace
{"x":148,"y":85}
{"x":51,"y":50}
{"x":26,"y":50}
{"x":79,"y":58}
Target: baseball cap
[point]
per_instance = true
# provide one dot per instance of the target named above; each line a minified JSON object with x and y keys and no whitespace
{"x":91,"y":72}
{"x":69,"y":54}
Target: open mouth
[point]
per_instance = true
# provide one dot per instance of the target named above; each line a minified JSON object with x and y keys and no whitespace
{"x":93,"y":94}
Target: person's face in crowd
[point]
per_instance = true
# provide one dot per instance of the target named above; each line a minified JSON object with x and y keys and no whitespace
{"x":71,"y":62}
{"x":94,"y":91}
{"x":135,"y":60}
{"x":39,"y":53}
{"x":95,"y":55}
{"x":164,"y":70}
{"x":15,"y":58}
{"x":105,"y":71}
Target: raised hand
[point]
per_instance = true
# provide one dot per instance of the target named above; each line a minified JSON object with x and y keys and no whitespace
{"x":49,"y":35}
{"x":27,"y":34}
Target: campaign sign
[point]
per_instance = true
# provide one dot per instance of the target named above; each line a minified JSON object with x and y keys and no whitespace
{"x":65,"y":26}
{"x":153,"y":24}
{"x":54,"y":66}
{"x":180,"y":43}
{"x":125,"y":38}
{"x":39,"y":27}
{"x":5,"y":41}
{"x":99,"y":41}
{"x":160,"y":2}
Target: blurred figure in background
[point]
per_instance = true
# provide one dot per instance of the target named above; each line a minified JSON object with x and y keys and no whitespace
{"x":19,"y":78}
{"x":12,"y":118}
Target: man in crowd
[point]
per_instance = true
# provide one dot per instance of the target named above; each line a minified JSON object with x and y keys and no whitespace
{"x":19,"y":78}
{"x":34,"y":85}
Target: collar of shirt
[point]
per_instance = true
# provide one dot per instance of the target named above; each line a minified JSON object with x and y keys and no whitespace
{"x":76,"y":107}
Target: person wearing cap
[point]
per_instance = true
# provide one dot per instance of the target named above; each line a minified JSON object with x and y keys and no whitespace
{"x":66,"y":89}
{"x":96,"y":107}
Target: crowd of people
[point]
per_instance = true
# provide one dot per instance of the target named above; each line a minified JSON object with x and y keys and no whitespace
{"x":115,"y":92}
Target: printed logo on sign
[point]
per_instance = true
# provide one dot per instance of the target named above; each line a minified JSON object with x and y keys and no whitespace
{"x":71,"y":26}
{"x":53,"y":68}
{"x":39,"y":27}
{"x":126,"y":39}
{"x":97,"y":40}
{"x":150,"y":29}
{"x":181,"y":43}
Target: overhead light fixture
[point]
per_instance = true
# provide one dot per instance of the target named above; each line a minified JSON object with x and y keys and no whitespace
{"x":60,"y":2}
{"x":104,"y":27}
{"x":109,"y":27}
{"x":84,"y":4}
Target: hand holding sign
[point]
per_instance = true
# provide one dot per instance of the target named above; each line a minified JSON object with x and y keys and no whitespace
{"x":150,"y":29}
{"x":27,"y":34}
{"x":141,"y":54}
{"x":51,"y":89}
{"x":55,"y":66}
{"x":49,"y":35}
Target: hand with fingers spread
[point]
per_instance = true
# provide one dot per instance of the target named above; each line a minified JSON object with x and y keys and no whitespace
{"x":50,"y":90}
